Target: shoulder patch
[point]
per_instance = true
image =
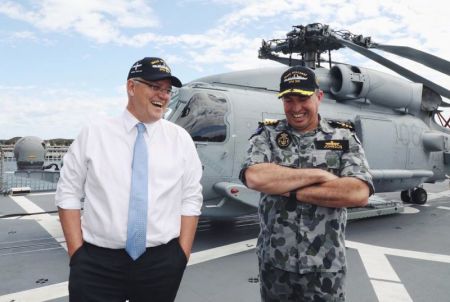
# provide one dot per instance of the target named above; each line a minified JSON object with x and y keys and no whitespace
{"x":270,"y":122}
{"x":342,"y":124}
{"x":263,"y":124}
{"x":258,"y":130}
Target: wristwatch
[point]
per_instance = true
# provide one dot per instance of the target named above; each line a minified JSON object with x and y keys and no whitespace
{"x":293,"y":195}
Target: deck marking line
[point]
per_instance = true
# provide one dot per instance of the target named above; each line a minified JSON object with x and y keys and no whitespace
{"x":50,"y":223}
{"x":39,"y":294}
{"x":432,"y":196}
{"x":26,"y":204}
{"x":222,"y":251}
{"x":385,"y":281}
{"x":377,"y":266}
{"x":390,"y":292}
{"x":42,"y":193}
{"x":32,"y":251}
{"x":386,"y":291}
{"x":387,"y":286}
{"x":398,"y":252}
{"x":54,"y":291}
{"x":59,"y":239}
{"x":443,"y":208}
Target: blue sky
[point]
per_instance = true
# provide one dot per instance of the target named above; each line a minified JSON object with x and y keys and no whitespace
{"x":64,"y":63}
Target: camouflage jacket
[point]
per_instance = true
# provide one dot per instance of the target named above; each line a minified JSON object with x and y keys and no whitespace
{"x":296,"y":236}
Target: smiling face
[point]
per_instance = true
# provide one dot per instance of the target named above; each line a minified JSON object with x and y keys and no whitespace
{"x":148,"y":104}
{"x":302,"y":112}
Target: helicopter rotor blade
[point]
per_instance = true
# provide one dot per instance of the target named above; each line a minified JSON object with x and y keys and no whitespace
{"x":264,"y":54}
{"x":289,"y":62}
{"x":395,"y":67}
{"x":416,"y":55}
{"x":444,"y":104}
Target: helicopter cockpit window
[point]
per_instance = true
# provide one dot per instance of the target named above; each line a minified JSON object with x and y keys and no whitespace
{"x":173,"y":103}
{"x":204,"y":118}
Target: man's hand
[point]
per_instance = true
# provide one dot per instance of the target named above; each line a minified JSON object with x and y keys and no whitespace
{"x":187,"y":233}
{"x":73,"y":249}
{"x":186,"y":249}
{"x":71,"y":225}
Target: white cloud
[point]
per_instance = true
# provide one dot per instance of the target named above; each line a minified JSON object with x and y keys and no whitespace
{"x":255,"y":11}
{"x":100,"y":20}
{"x":28,"y":35}
{"x":104,"y":21}
{"x":16,"y":11}
{"x":232,"y":43}
{"x":51,"y":112}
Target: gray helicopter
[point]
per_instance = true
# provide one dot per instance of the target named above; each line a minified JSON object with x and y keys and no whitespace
{"x":393,"y":117}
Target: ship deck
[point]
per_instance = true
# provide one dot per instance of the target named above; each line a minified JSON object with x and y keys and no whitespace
{"x":400,"y":257}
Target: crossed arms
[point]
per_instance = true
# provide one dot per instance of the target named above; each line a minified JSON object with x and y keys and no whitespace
{"x":315,"y":186}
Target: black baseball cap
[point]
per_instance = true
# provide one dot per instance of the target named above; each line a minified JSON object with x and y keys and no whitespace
{"x":299,"y":80}
{"x":152,"y":69}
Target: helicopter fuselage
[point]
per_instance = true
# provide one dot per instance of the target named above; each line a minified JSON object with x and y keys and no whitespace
{"x":404,"y":146}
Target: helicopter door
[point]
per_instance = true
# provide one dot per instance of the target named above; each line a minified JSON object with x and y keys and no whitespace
{"x":379,"y":138}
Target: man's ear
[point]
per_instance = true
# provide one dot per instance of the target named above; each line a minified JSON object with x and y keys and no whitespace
{"x":130,"y":87}
{"x":320,"y":95}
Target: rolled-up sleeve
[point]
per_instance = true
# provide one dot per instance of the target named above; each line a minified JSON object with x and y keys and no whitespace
{"x":258,"y":152}
{"x":354,"y":163}
{"x":70,"y":187}
{"x":192,"y":198}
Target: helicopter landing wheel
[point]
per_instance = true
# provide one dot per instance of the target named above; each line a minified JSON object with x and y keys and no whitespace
{"x":405,"y":196}
{"x":419,"y":196}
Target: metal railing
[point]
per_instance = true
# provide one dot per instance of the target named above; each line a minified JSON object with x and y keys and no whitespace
{"x":1,"y":168}
{"x":35,"y":180}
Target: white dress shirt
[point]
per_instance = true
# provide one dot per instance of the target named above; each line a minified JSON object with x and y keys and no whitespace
{"x":98,"y":168}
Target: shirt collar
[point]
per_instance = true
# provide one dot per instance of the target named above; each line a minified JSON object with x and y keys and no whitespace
{"x":130,"y":121}
{"x":324,"y":126}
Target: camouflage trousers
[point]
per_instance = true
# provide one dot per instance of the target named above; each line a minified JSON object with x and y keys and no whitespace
{"x":282,"y":286}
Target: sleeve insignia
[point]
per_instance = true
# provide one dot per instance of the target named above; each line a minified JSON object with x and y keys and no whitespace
{"x":342,"y":124}
{"x":257,"y":131}
{"x":283,"y":139}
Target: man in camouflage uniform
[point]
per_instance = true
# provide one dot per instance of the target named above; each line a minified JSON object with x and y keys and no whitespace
{"x":308,"y":171}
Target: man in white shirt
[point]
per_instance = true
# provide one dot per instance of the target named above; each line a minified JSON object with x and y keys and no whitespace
{"x":99,"y":168}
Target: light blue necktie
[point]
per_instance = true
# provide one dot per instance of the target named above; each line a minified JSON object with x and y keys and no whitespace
{"x":137,"y":211}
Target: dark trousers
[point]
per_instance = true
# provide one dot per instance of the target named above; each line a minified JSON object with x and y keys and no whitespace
{"x":277,"y":285}
{"x":101,"y":274}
